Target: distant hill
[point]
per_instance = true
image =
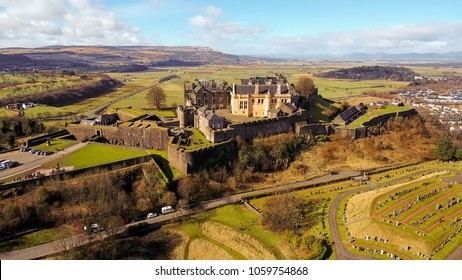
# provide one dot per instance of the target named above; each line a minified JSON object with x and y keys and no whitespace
{"x":100,"y":57}
{"x":372,"y":73}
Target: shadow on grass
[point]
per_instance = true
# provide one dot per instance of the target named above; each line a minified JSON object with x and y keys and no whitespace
{"x":163,"y":164}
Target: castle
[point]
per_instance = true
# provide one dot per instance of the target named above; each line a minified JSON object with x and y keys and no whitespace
{"x":264,"y":106}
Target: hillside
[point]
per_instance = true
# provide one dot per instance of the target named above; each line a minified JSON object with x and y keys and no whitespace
{"x":372,"y":73}
{"x":100,"y":57}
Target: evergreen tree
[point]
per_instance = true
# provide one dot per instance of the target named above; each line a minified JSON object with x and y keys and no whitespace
{"x":445,"y":150}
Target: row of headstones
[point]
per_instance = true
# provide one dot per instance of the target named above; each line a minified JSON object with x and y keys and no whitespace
{"x":456,"y":220}
{"x":403,"y":192}
{"x":398,"y":212}
{"x":378,"y":239}
{"x":388,"y":176}
{"x":446,"y":241}
{"x":449,"y":204}
{"x":421,"y":198}
{"x":375,"y":251}
{"x":396,"y":223}
{"x":424,"y":219}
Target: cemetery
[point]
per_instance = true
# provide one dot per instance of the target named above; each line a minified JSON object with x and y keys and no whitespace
{"x":419,"y":217}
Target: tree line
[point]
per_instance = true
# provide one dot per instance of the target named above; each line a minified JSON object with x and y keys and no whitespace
{"x":66,"y":96}
{"x":371,"y":73}
{"x":17,"y":127}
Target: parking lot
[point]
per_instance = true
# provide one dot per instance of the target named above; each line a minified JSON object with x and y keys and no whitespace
{"x":29,"y":161}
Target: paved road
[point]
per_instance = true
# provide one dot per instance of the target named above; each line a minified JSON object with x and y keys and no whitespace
{"x":78,"y":240}
{"x":38,"y":162}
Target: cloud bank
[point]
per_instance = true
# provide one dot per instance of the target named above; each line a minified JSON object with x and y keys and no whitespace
{"x":35,"y":23}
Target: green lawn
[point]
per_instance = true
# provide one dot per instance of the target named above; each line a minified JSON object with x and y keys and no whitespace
{"x":56,"y":144}
{"x":96,"y":154}
{"x":375,"y":112}
{"x":28,"y":240}
{"x":320,"y":109}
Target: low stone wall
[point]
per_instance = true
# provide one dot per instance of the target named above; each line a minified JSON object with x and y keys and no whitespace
{"x":371,"y":127}
{"x":43,"y":138}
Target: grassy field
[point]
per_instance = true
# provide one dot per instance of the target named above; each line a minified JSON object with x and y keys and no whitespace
{"x":340,"y":88}
{"x":7,"y":113}
{"x":55,"y":144}
{"x":28,"y":240}
{"x":18,"y":84}
{"x":96,"y":154}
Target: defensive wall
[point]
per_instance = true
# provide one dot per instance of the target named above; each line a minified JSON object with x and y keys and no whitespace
{"x":188,"y":161}
{"x":145,"y":136}
{"x":43,"y":138}
{"x":373,"y":126}
{"x":78,"y":172}
{"x":254,"y":129}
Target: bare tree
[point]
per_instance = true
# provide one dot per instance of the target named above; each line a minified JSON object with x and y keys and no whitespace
{"x":283,"y":212}
{"x":305,"y":86}
{"x":156,"y":97}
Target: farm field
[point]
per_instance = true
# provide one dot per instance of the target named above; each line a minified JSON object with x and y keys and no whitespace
{"x":17,"y":84}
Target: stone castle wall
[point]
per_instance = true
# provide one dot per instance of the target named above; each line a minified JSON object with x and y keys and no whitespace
{"x":189,"y":161}
{"x":151,"y":137}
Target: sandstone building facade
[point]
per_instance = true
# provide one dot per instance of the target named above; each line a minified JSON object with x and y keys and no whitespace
{"x":213,"y":94}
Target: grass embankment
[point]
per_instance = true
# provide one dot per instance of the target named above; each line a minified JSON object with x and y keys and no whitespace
{"x":321,"y":109}
{"x":375,"y":112}
{"x":28,"y":240}
{"x":96,"y":154}
{"x":234,"y":230}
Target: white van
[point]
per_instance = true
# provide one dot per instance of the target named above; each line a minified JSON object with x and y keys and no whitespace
{"x":167,"y":209}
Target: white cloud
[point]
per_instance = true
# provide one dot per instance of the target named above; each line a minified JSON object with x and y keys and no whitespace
{"x":215,"y":32}
{"x":437,"y":37}
{"x":34,"y":23}
{"x":214,"y":11}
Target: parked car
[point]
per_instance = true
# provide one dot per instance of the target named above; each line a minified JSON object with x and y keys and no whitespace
{"x":167,"y":209}
{"x":151,"y":215}
{"x":93,"y":228}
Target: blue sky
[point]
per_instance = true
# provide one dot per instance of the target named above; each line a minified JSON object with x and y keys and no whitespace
{"x":296,"y":28}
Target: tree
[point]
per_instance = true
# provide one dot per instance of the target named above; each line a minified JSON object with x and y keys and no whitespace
{"x":283,"y":212}
{"x":445,"y":150}
{"x":156,"y":97}
{"x":458,"y":154}
{"x":305,"y":86}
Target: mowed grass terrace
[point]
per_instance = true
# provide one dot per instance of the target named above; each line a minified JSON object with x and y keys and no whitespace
{"x":95,"y":154}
